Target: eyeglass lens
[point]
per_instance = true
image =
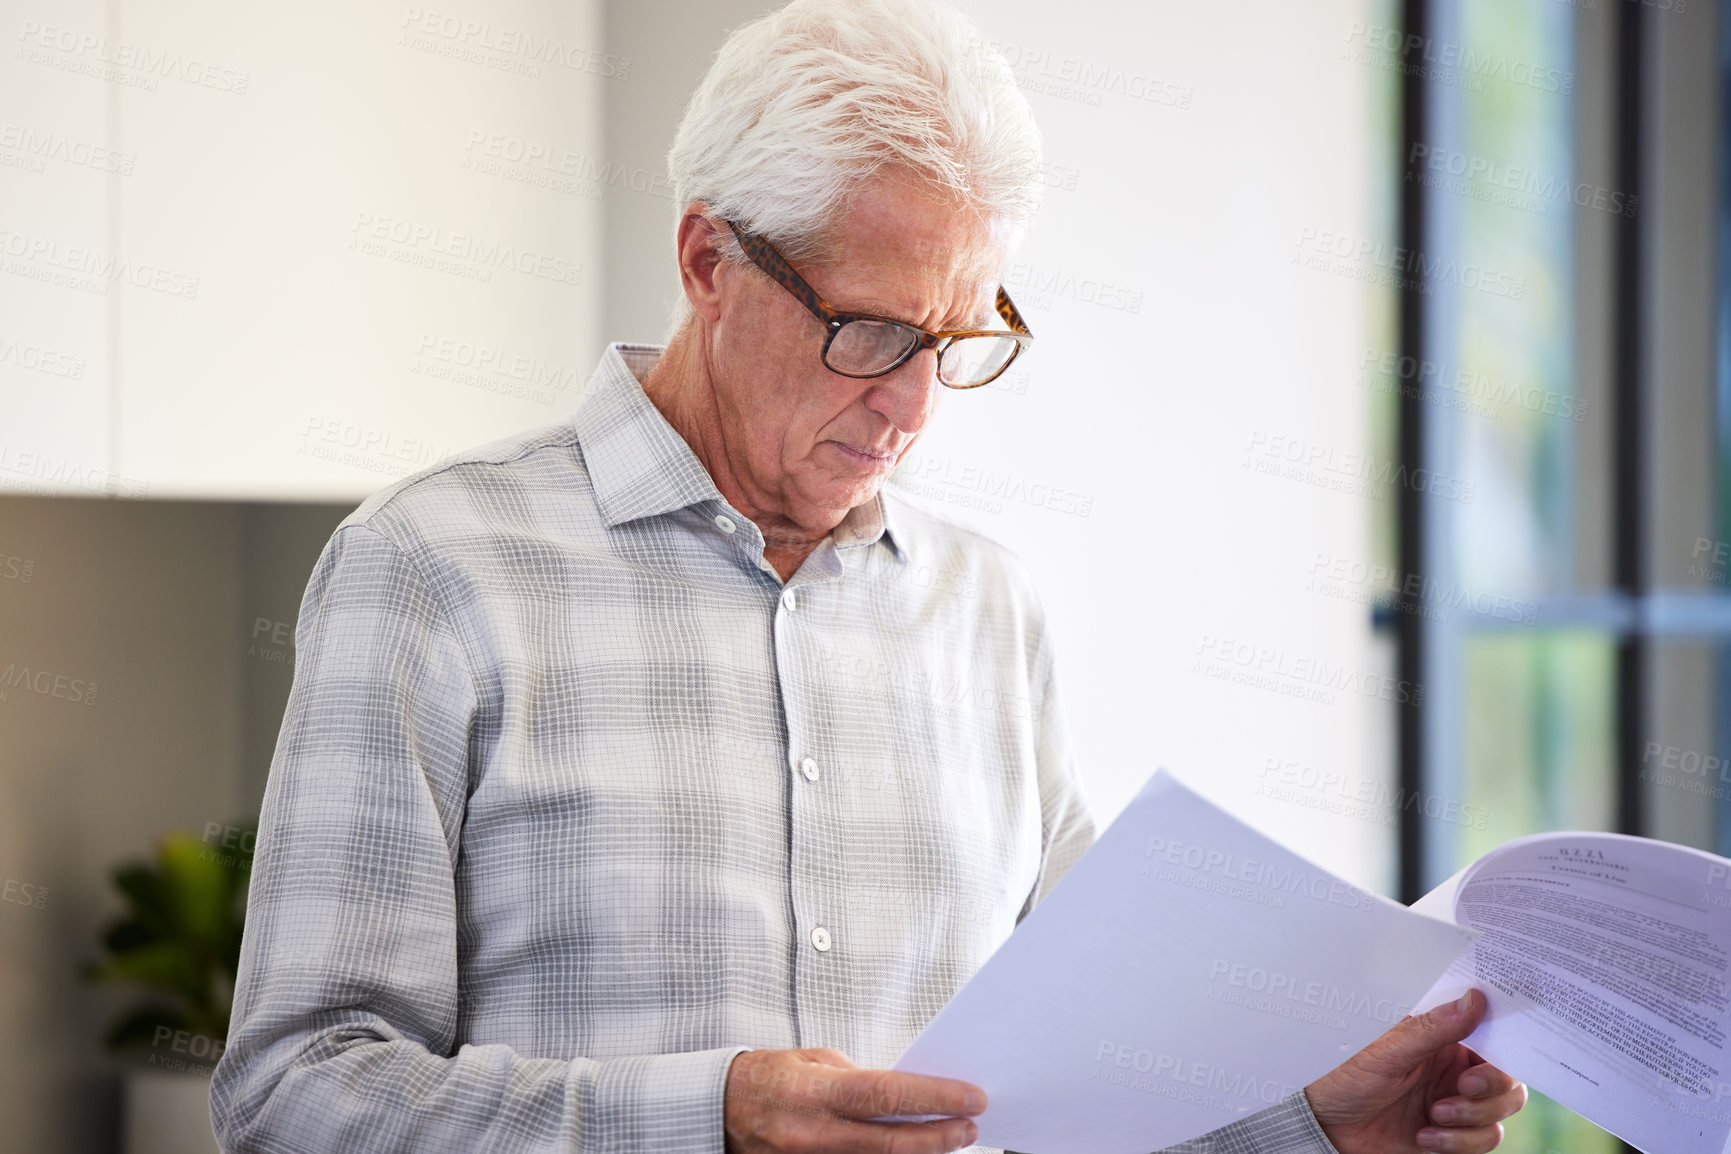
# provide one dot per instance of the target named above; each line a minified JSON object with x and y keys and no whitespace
{"x":972,"y":360}
{"x":865,"y":346}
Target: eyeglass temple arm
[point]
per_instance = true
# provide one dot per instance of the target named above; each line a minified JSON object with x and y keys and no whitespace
{"x":763,"y":254}
{"x":1012,"y":316}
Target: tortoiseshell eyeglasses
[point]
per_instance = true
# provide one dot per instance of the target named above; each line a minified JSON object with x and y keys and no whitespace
{"x":862,"y":345}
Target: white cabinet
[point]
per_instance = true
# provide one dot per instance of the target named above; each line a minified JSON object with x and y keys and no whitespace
{"x":55,"y":152}
{"x":347,"y":241}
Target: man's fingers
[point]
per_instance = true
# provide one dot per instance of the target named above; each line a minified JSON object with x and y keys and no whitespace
{"x":1422,"y":1035}
{"x":1478,"y":1111}
{"x":886,"y":1093}
{"x":824,"y":1056}
{"x":819,"y":1100}
{"x":1485,"y":1080}
{"x":899,"y":1137}
{"x":814,"y":1128}
{"x":1476,"y":1141}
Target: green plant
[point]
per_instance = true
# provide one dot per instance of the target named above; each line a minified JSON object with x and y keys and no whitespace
{"x":179,"y":936}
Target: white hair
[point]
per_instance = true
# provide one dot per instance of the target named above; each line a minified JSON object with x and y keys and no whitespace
{"x":804,"y":105}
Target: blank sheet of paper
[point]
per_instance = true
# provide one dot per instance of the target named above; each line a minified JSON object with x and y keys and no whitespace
{"x":1187,"y":972}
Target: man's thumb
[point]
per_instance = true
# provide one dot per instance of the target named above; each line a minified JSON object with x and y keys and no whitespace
{"x":1424,"y":1034}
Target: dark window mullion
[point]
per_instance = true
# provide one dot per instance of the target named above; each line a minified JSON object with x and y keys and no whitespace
{"x":1629,"y":488}
{"x":1409,"y":622}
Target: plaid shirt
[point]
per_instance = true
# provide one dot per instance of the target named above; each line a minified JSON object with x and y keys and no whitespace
{"x":574,"y":800}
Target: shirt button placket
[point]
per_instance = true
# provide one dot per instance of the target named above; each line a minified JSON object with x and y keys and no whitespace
{"x":816,"y":859}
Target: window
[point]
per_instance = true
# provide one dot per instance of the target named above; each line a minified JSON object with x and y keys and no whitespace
{"x":1565,"y":592}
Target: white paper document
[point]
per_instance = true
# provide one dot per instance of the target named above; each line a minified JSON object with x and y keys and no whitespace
{"x":1187,"y":972}
{"x":1605,"y":960}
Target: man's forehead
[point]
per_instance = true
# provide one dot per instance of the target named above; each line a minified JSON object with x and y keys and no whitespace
{"x":967,"y":301}
{"x":963,"y":279}
{"x":901,"y":210}
{"x":900,"y":248}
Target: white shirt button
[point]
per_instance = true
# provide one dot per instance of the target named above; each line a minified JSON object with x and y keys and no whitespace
{"x":820,"y":939}
{"x":725,"y":523}
{"x":809,"y":768}
{"x":789,"y":602}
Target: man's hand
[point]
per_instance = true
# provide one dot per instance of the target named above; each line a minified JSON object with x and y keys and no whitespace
{"x":817,"y":1100}
{"x":1416,"y":1088}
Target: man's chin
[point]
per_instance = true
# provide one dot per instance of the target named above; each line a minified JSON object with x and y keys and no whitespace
{"x":832,"y":506}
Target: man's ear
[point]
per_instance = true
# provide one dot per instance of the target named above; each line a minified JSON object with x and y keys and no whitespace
{"x":698,"y":260}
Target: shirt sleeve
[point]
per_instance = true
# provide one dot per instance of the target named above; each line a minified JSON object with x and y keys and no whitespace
{"x":1067,"y":822}
{"x":1287,"y":1127}
{"x":344,"y":1030}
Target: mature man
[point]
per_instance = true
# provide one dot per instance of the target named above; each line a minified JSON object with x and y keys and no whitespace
{"x":643,"y":772}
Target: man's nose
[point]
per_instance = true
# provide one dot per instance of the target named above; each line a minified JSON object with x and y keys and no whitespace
{"x":907,"y":396}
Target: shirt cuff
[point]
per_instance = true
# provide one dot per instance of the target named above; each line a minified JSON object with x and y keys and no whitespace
{"x":659,"y":1102}
{"x":1287,"y":1127}
{"x":1306,"y":1119}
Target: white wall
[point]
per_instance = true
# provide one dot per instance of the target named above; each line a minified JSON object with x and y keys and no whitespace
{"x":1179,"y":346}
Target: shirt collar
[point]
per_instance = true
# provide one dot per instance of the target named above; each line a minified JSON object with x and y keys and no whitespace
{"x":641,"y":467}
